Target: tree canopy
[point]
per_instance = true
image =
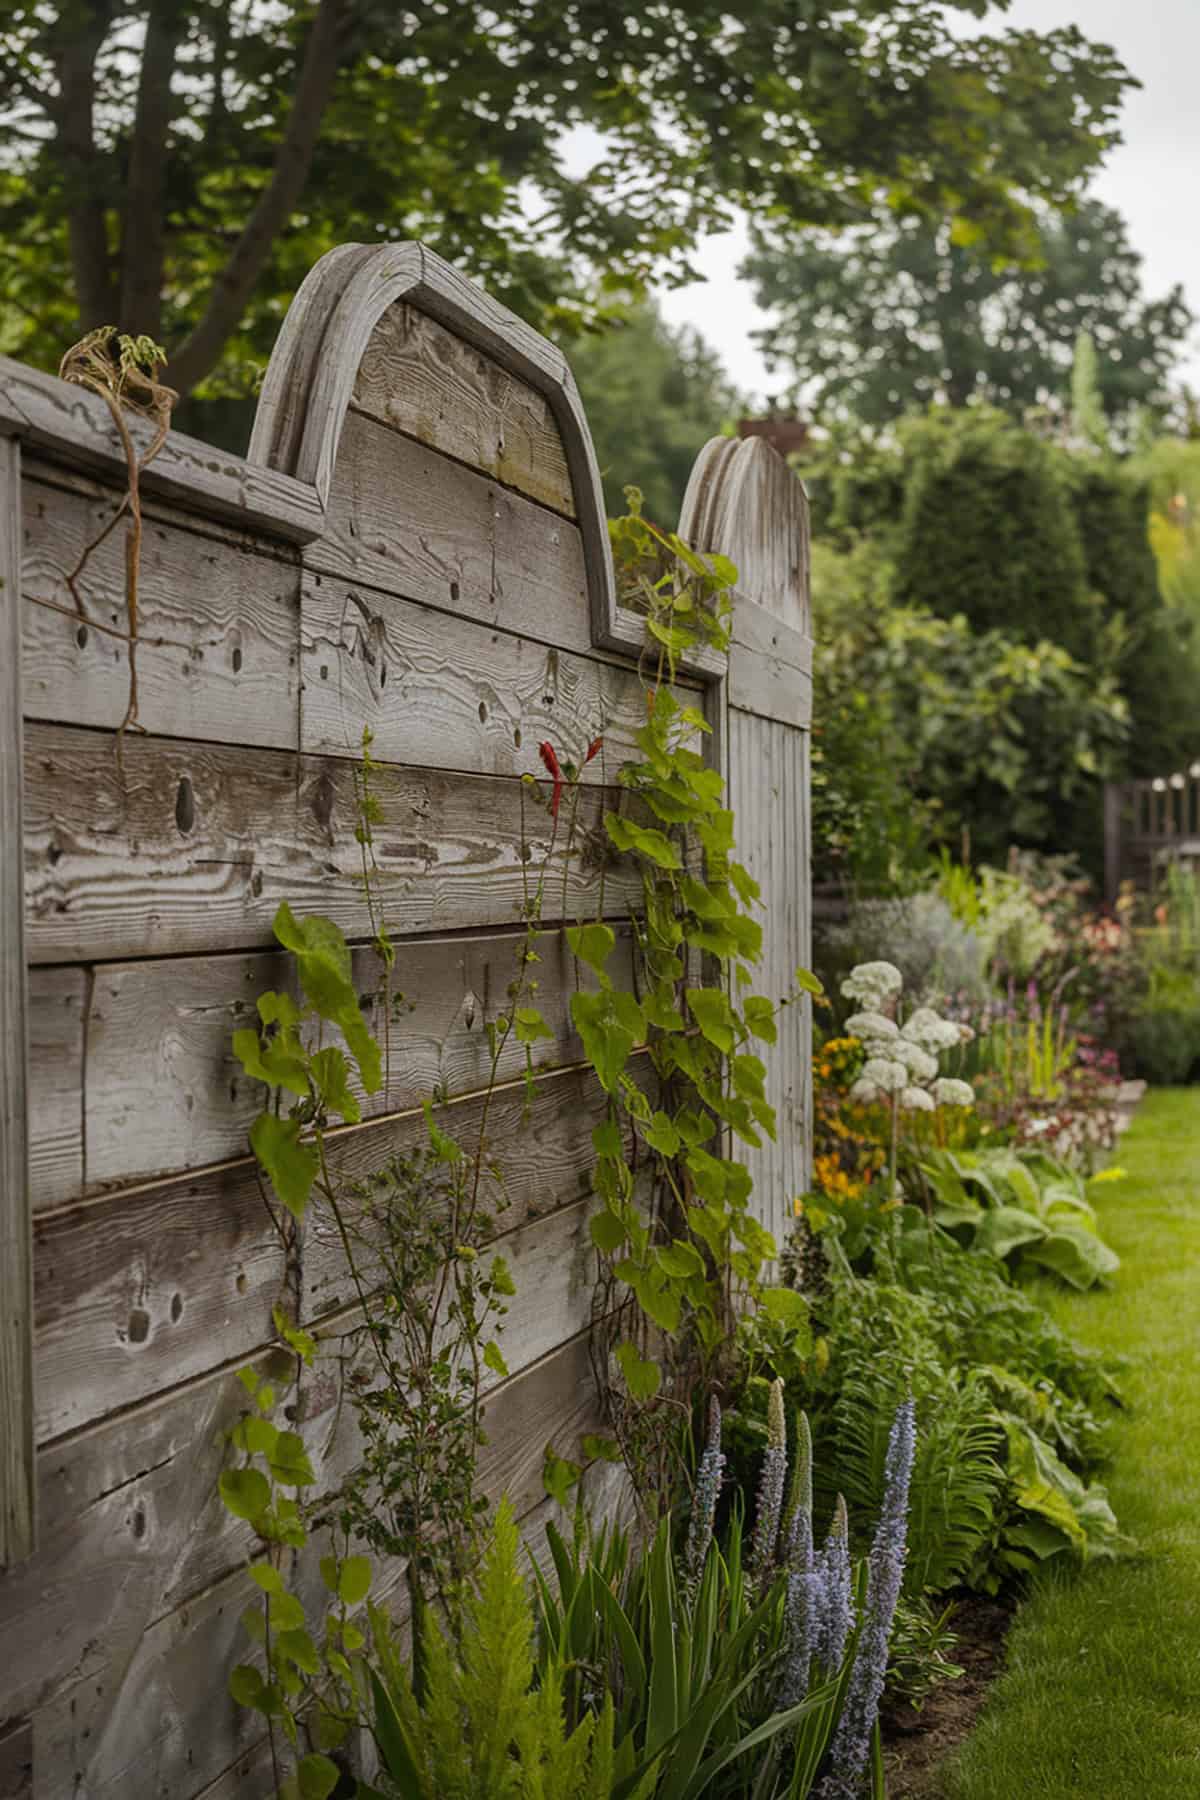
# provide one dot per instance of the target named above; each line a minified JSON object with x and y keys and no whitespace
{"x":175,"y":168}
{"x":886,"y":317}
{"x":653,"y":397}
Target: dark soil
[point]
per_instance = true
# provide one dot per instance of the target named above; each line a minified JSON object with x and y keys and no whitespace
{"x":916,"y":1743}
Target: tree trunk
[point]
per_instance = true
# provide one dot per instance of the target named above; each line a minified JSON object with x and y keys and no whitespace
{"x":82,"y":165}
{"x":144,"y":225}
{"x":234,"y":286}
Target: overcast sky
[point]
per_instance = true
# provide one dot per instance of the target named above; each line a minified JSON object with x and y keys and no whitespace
{"x":1153,"y":178}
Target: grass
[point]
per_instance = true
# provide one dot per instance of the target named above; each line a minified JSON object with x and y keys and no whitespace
{"x":1100,"y":1698}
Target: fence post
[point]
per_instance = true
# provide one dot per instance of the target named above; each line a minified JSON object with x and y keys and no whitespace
{"x":745,"y":503}
{"x":1114,"y":793}
{"x":17,"y":1485}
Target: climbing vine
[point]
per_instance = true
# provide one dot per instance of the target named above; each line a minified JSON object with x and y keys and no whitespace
{"x":680,"y":1254}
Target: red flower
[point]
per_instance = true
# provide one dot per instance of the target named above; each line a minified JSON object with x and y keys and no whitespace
{"x":593,"y":749}
{"x":547,"y":754}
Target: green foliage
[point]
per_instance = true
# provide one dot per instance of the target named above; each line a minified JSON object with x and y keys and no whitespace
{"x":997,"y":740}
{"x":1001,"y":1393}
{"x":1022,"y":1207}
{"x":987,"y":531}
{"x":268,"y":138}
{"x":901,"y":312}
{"x":677,"y":1250}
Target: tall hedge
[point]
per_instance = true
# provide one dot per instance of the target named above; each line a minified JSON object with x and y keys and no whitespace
{"x":988,"y":529}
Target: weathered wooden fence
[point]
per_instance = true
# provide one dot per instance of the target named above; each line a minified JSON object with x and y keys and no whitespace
{"x":415,"y":542}
{"x":1148,"y":824}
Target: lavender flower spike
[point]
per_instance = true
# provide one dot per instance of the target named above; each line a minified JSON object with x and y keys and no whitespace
{"x":798,"y":1552}
{"x":836,"y":1620}
{"x":771,"y":1485}
{"x":885,"y":1571}
{"x":704,"y":1501}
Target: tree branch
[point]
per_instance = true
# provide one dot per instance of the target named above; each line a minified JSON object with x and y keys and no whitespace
{"x":144,"y":224}
{"x":81,"y":165}
{"x":234,"y":286}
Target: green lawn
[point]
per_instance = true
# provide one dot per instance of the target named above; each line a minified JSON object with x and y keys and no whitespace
{"x":1100,"y":1698}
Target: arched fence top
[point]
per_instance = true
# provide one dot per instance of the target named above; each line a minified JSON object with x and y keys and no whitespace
{"x":743,"y":501}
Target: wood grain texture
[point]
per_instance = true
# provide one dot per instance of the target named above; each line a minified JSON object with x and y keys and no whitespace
{"x":158,"y":1285}
{"x":448,"y":692}
{"x":17,"y":1480}
{"x":130,"y":1699}
{"x":165,"y":1092}
{"x":16,"y":1761}
{"x":57,"y":1010}
{"x":744,"y":502}
{"x":426,"y":382}
{"x":69,"y":423}
{"x":194,"y":847}
{"x":406,"y":520}
{"x":218,"y":625}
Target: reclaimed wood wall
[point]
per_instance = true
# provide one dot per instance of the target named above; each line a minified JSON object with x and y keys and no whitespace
{"x":415,"y":543}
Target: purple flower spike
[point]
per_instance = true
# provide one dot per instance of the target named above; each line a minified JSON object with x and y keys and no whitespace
{"x":851,"y":1745}
{"x":837,"y":1585}
{"x":704,"y":1502}
{"x":771,"y":1485}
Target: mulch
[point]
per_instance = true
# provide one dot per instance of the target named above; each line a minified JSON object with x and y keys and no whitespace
{"x":917,"y":1743}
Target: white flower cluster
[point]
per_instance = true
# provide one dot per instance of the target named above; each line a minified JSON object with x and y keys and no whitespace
{"x":902,"y":1060}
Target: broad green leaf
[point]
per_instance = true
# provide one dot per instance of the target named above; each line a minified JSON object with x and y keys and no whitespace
{"x":661,"y":1135}
{"x":271,"y":1062}
{"x":593,"y":944}
{"x":290,"y":1165}
{"x":785,"y":1307}
{"x":607,"y":1231}
{"x":609,"y":1031}
{"x":759,"y":1015}
{"x":807,"y":982}
{"x":711,"y":1010}
{"x":247,"y":1686}
{"x":679,"y":1260}
{"x":298,"y":1647}
{"x":607,"y":1139}
{"x":493,"y":1360}
{"x":316,"y":1777}
{"x":444,"y":1148}
{"x":289,"y":1461}
{"x":246,"y":1492}
{"x":529,"y":1025}
{"x":331,"y":1076}
{"x":559,"y":1476}
{"x":354,"y":1580}
{"x":268,"y":1578}
{"x":644,"y":840}
{"x":643,"y":1379}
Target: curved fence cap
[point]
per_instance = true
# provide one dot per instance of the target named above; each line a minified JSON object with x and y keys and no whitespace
{"x":743,"y":502}
{"x":310,"y":379}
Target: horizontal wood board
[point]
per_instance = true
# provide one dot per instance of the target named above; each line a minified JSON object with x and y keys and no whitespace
{"x":192,"y":847}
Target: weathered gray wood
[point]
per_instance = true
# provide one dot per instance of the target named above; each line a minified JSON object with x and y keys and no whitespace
{"x":132,"y":1700}
{"x":71,"y":424}
{"x":448,"y":691}
{"x":165,"y":1092}
{"x":743,"y":502}
{"x":57,"y":1008}
{"x":16,"y":1761}
{"x":407,"y":520}
{"x":157,"y":1285}
{"x":196,"y":845}
{"x":218,"y":624}
{"x":17,"y":1481}
{"x":423,"y":380}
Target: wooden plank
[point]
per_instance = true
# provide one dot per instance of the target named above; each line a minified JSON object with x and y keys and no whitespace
{"x":423,"y":380}
{"x":407,"y":520}
{"x":155,"y":1286}
{"x":449,"y":692}
{"x":16,"y":1761}
{"x":218,"y":625}
{"x":57,"y":1009}
{"x":165,"y":1092}
{"x":194,"y":847}
{"x":75,"y":426}
{"x":133,"y":1701}
{"x":17,"y":1480}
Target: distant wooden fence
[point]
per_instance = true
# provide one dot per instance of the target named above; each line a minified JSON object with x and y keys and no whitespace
{"x":1148,"y":824}
{"x":415,"y":542}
